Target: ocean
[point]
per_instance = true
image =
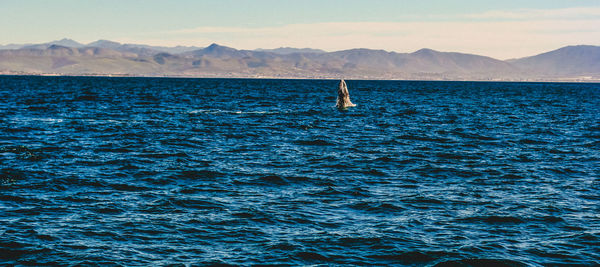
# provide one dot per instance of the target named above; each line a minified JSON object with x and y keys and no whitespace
{"x":166,"y":171}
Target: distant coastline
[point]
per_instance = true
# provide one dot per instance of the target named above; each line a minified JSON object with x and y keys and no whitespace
{"x":573,"y":80}
{"x":105,"y":58}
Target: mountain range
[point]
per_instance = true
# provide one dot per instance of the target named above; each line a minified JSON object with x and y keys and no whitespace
{"x":103,"y":57}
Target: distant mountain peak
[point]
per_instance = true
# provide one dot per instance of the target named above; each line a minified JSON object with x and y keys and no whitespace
{"x":220,"y":50}
{"x":105,"y":44}
{"x":215,"y":46}
{"x":66,"y":42}
{"x":425,"y":51}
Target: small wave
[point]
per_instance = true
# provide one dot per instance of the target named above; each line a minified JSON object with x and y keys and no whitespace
{"x":474,"y":136}
{"x":44,"y":120}
{"x":23,"y":152}
{"x":254,"y":215}
{"x":192,"y":203}
{"x":327,"y":192}
{"x":524,"y":158}
{"x":424,"y":138}
{"x":10,"y":176}
{"x":220,"y":111}
{"x":457,"y":156}
{"x":562,"y":152}
{"x":423,"y":200}
{"x":562,"y":170}
{"x":163,"y":155}
{"x":114,"y":150}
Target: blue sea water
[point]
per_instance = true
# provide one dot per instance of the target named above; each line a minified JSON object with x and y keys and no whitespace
{"x":151,"y":171}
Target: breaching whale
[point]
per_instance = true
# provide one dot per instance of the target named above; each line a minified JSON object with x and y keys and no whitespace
{"x":343,"y":99}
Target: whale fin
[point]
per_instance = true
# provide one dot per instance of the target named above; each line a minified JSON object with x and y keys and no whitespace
{"x":343,"y":99}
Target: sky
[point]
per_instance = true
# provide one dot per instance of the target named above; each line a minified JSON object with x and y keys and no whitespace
{"x":502,"y":29}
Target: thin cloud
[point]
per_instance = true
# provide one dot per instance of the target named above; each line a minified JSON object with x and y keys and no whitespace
{"x":575,"y":13}
{"x":497,"y":34}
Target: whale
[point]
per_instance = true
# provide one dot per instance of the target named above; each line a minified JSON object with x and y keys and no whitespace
{"x":343,"y":99}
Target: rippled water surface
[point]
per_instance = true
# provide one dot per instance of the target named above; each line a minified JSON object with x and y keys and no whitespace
{"x":144,"y":171}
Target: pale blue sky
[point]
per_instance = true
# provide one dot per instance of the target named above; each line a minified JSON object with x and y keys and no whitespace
{"x":495,"y":28}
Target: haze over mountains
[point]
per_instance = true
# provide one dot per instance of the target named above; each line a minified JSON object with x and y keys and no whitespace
{"x":103,"y":57}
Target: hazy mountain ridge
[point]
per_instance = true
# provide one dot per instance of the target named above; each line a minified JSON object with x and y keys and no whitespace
{"x":103,"y":57}
{"x":291,"y":50}
{"x":566,"y":61}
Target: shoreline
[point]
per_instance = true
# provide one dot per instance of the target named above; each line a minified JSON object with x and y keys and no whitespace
{"x":541,"y":80}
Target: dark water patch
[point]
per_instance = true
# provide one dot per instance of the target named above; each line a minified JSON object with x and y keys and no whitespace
{"x":550,"y":219}
{"x":128,"y":187}
{"x":374,"y":172}
{"x":377,"y":207}
{"x":199,"y":174}
{"x":480,"y":263}
{"x":79,"y":199}
{"x":12,"y":198}
{"x":327,"y":192}
{"x":312,"y":256}
{"x":255,"y":215}
{"x":417,"y":137}
{"x":495,"y":219}
{"x":314,"y":142}
{"x":511,"y":176}
{"x":532,"y":142}
{"x":422,"y":200}
{"x":10,"y":176}
{"x":114,"y":150}
{"x":108,"y":210}
{"x":272,"y":179}
{"x":10,"y":251}
{"x":194,"y":203}
{"x":458,"y":156}
{"x":384,"y":159}
{"x":412,"y":257}
{"x":22,"y":129}
{"x":407,"y":112}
